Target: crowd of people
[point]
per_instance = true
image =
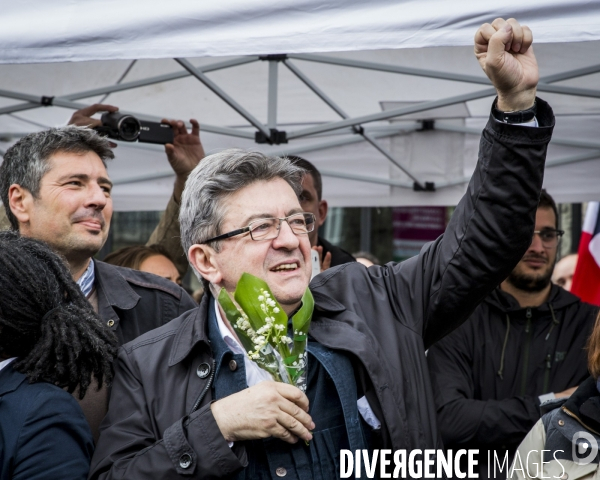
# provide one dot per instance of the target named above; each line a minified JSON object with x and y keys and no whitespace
{"x":110,"y":369}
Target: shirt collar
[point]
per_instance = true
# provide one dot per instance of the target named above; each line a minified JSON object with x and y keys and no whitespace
{"x":225,"y":333}
{"x":86,"y":281}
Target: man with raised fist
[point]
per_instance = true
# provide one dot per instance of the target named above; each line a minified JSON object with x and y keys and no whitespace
{"x":186,"y":401}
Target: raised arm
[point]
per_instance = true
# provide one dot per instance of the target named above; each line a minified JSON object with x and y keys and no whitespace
{"x":184,"y":154}
{"x":491,"y":228}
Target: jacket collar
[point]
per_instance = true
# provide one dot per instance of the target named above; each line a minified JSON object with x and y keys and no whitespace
{"x":585,"y":403}
{"x":559,"y":298}
{"x":10,"y":379}
{"x":113,"y":287}
{"x":193,"y":330}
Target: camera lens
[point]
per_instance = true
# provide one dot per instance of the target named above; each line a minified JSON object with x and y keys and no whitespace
{"x":129,"y":128}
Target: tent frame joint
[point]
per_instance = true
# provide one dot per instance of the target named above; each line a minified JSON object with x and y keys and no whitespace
{"x":426,"y":125}
{"x":276,"y":137}
{"x":276,"y":57}
{"x":425,"y":187}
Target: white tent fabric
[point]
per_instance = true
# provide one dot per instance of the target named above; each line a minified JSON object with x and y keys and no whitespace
{"x":443,"y":83}
{"x":34,"y":31}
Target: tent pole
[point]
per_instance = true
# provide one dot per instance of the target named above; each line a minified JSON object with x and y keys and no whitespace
{"x":382,"y":67}
{"x":323,"y":96}
{"x":388,"y":114}
{"x":135,"y":84}
{"x":580,"y":72}
{"x":583,"y":157}
{"x":223,"y":96}
{"x":556,"y":141}
{"x":60,"y":102}
{"x":272,"y":100}
{"x":340,"y":142}
{"x":543,"y":85}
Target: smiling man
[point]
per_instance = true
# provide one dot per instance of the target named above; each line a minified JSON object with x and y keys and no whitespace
{"x":55,"y":188}
{"x":525,"y":344}
{"x":188,"y":403}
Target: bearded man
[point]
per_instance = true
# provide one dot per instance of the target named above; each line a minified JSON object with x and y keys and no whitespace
{"x":523,"y":345}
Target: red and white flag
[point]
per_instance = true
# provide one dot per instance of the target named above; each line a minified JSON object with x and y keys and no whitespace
{"x":586,"y":280}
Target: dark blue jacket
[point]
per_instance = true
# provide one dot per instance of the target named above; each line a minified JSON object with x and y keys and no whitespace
{"x":43,"y":433}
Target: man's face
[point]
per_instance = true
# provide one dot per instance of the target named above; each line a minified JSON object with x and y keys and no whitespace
{"x":564,"y":271}
{"x":73,"y":210}
{"x":284,"y":263}
{"x":309,"y":201}
{"x":534,"y":271}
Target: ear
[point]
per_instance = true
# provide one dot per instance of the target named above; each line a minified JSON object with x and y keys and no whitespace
{"x":202,"y":258}
{"x":323,"y":207}
{"x":20,"y":201}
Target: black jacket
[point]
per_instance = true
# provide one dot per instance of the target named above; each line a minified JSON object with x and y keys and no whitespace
{"x":487,"y":375}
{"x":384,"y":316}
{"x":133,"y":302}
{"x":339,"y":256}
{"x":43,"y":434}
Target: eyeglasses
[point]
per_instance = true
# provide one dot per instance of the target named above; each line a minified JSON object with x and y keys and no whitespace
{"x":268,"y":228}
{"x":549,"y":237}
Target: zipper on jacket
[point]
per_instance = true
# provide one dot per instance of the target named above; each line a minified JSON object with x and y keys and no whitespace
{"x":572,"y":415}
{"x":528,"y":330}
{"x":547,"y":373}
{"x":206,"y":388}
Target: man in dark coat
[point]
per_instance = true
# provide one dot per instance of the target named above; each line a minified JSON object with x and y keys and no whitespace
{"x":187,"y":401}
{"x":525,"y":344}
{"x":55,"y":187}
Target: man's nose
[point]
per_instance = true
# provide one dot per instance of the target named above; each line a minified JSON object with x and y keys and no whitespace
{"x":96,"y":197}
{"x":287,"y":238}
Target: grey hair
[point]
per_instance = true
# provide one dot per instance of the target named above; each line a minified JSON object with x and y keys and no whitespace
{"x":220,"y":175}
{"x":26,"y":162}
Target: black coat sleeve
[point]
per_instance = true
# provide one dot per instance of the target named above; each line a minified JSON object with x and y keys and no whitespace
{"x":486,"y":237}
{"x":461,"y":417}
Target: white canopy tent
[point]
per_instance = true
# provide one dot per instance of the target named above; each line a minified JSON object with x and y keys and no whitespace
{"x":348,"y":83}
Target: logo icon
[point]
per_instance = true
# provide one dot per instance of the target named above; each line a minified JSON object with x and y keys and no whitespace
{"x":584,"y":448}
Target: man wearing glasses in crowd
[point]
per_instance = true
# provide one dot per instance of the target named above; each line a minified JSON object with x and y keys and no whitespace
{"x":187,"y":403}
{"x":523,"y":345}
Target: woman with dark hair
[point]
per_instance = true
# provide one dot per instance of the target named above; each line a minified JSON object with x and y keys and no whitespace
{"x":50,"y":340}
{"x":565,"y":442}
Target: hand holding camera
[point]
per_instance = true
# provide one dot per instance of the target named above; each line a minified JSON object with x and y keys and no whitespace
{"x":184,"y":149}
{"x":121,"y":126}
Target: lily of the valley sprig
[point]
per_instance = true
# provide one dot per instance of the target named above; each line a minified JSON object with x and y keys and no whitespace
{"x":262,"y":327}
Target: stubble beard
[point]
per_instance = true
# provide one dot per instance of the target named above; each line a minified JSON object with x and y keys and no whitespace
{"x":530,"y":283}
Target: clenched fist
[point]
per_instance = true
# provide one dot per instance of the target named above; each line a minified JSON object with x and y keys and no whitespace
{"x":504,"y":51}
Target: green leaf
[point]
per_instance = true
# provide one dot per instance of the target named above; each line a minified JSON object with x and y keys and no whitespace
{"x":246,"y":295}
{"x":233,"y":315}
{"x":301,"y":320}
